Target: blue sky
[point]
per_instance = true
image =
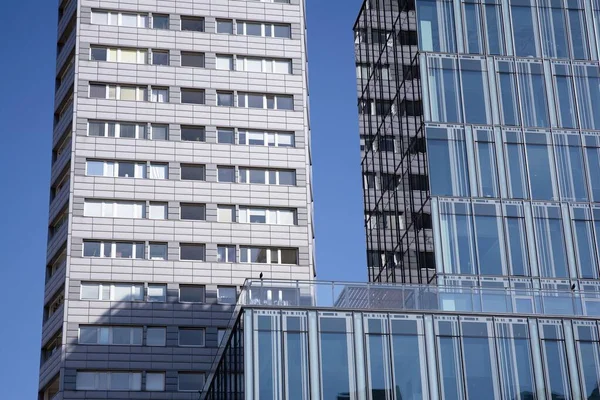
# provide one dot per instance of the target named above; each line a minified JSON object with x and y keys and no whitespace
{"x":28,"y":30}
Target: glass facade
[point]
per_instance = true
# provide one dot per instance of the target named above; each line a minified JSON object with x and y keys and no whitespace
{"x":333,"y":354}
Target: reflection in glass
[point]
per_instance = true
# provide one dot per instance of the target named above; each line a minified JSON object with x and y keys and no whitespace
{"x":458,"y":243}
{"x":532,"y":93}
{"x":557,"y":379}
{"x":407,"y":367}
{"x":554,"y":31}
{"x":488,"y":244}
{"x":584,"y":248}
{"x":444,"y":91}
{"x":523,"y":26}
{"x":453,"y":180}
{"x":380,"y":383}
{"x":516,"y":368}
{"x":517,"y":174}
{"x":517,"y":246}
{"x":487,"y":179}
{"x":436,"y":26}
{"x":494,"y":34}
{"x":296,"y":365}
{"x":571,"y":178}
{"x":587,"y":87}
{"x":589,"y":364}
{"x":473,"y":34}
{"x":478,"y":368}
{"x":508,"y":94}
{"x":336,"y":365}
{"x":578,"y":35}
{"x":565,"y":97}
{"x":451,"y":369}
{"x":593,"y":165}
{"x":540,"y":176}
{"x":267,"y":363}
{"x":474,"y":91}
{"x":550,"y":244}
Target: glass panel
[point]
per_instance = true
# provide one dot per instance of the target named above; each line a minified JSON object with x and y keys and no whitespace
{"x":517,"y":246}
{"x":550,"y":243}
{"x":584,"y":248}
{"x":589,"y":364}
{"x":554,"y":31}
{"x":192,"y":24}
{"x":474,"y":91}
{"x":282,"y":31}
{"x":436,"y":26}
{"x":191,"y":294}
{"x":156,"y":336}
{"x":557,"y":379}
{"x":190,"y":382}
{"x":488,"y":233}
{"x":524,"y":26}
{"x":160,"y":21}
{"x":473,"y":34}
{"x":565,"y":97}
{"x":516,"y":368}
{"x":571,"y":180}
{"x":458,"y":243}
{"x":452,"y":181}
{"x":268,"y":357}
{"x":337,"y":365}
{"x":508,"y":94}
{"x":593,"y":165}
{"x":486,"y":167}
{"x":577,"y":28}
{"x":380,"y":382}
{"x":478,"y":367}
{"x":450,"y":368}
{"x":191,"y":337}
{"x":587,"y":85}
{"x":517,"y":180}
{"x":225,"y":174}
{"x":193,"y":133}
{"x":444,"y":90}
{"x":296,"y":365}
{"x":532,"y":92}
{"x":540,"y":175}
{"x":406,"y":352}
{"x":493,"y":26}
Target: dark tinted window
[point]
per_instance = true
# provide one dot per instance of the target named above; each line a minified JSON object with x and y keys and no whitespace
{"x":287,"y":178}
{"x":189,"y":381}
{"x":193,"y":133}
{"x":226,"y":174}
{"x":225,"y":135}
{"x":192,"y":24}
{"x":419,"y":182}
{"x":98,"y":54}
{"x":195,"y":212}
{"x":97,"y":91}
{"x":192,"y":172}
{"x":160,"y":21}
{"x":289,"y":256}
{"x":191,"y":337}
{"x":225,"y":99}
{"x":224,"y":26}
{"x":191,"y":293}
{"x":189,"y":59}
{"x":283,"y":31}
{"x":190,"y":251}
{"x":160,"y":57}
{"x":192,"y":96}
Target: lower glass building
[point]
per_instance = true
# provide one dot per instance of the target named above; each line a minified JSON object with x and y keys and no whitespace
{"x":334,"y":341}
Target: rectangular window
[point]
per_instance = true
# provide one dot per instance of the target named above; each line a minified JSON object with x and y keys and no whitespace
{"x":448,"y":147}
{"x":110,"y":335}
{"x":592,"y":159}
{"x":115,"y":18}
{"x":570,"y":167}
{"x":265,"y":101}
{"x":195,"y":24}
{"x":120,"y":130}
{"x":225,"y":135}
{"x":264,"y":29}
{"x":192,"y":172}
{"x":158,"y":251}
{"x":550,"y":242}
{"x":160,"y":21}
{"x":114,"y":209}
{"x":262,"y":138}
{"x":508,"y":96}
{"x":225,"y":213}
{"x":524,"y":29}
{"x":156,"y":336}
{"x":435,"y":26}
{"x":191,"y":294}
{"x":225,"y":26}
{"x":112,"y":291}
{"x":125,"y":381}
{"x":190,"y":59}
{"x":193,"y":133}
{"x":190,"y":381}
{"x":225,"y":99}
{"x":158,"y":171}
{"x":270,"y":177}
{"x":226,"y":254}
{"x":516,"y":170}
{"x":540,"y":162}
{"x":224,"y":62}
{"x":225,"y":174}
{"x":474,"y":80}
{"x":267,"y":216}
{"x":159,"y":95}
{"x":193,"y":337}
{"x":124,"y":55}
{"x":485,"y":158}
{"x":194,"y":212}
{"x":532,"y":93}
{"x":587,"y":88}
{"x":226,"y":294}
{"x":458,"y":239}
{"x":192,"y":96}
{"x":269,"y":65}
{"x":565,"y":96}
{"x":158,"y":211}
{"x":160,"y":57}
{"x":113,"y":249}
{"x":192,"y":252}
{"x":155,"y":382}
{"x":444,"y":90}
{"x":584,"y":242}
{"x":265,"y":255}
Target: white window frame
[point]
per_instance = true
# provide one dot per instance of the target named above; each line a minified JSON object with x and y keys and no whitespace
{"x":115,"y":18}
{"x":114,"y":92}
{"x":267,"y":64}
{"x":220,"y":58}
{"x":248,"y":249}
{"x":265,"y":98}
{"x":140,"y":169}
{"x":228,"y":209}
{"x":273,"y":216}
{"x":111,"y":208}
{"x":276,"y":136}
{"x":113,"y":249}
{"x":114,"y":54}
{"x":227,"y":247}
{"x":110,"y":287}
{"x":138,"y":130}
{"x":155,"y":91}
{"x":264,"y":26}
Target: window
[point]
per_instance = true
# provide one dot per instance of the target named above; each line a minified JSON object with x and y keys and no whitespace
{"x":160,"y":21}
{"x":160,"y":57}
{"x":97,"y":91}
{"x":224,"y":62}
{"x":116,"y":18}
{"x":158,"y":211}
{"x":192,"y":24}
{"x":191,"y":252}
{"x":158,"y":171}
{"x":190,"y":381}
{"x":158,"y":251}
{"x":112,"y":291}
{"x":155,"y":382}
{"x":532,"y":93}
{"x":192,"y":96}
{"x":435,"y":26}
{"x":448,"y":146}
{"x":192,"y":172}
{"x":114,"y":209}
{"x":190,"y":59}
{"x":225,"y":213}
{"x":264,"y":29}
{"x":270,"y":177}
{"x":444,"y":90}
{"x":111,"y":335}
{"x":191,"y":337}
{"x":220,"y":335}
{"x":225,"y":135}
{"x":191,"y":294}
{"x":194,"y":212}
{"x":226,"y":294}
{"x":124,"y":55}
{"x":107,"y":249}
{"x":130,"y":381}
{"x":225,"y":99}
{"x":193,"y":133}
{"x":226,"y":254}
{"x":225,"y":174}
{"x":270,"y":65}
{"x":271,"y":139}
{"x":120,"y":130}
{"x":159,"y":95}
{"x":156,"y":336}
{"x":267,"y":216}
{"x":225,"y":26}
{"x":265,"y":101}
{"x":265,"y":255}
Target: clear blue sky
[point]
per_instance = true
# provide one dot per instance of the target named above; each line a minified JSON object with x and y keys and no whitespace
{"x":27,"y":32}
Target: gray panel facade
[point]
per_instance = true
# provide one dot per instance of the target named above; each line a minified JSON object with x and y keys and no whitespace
{"x":120,"y":175}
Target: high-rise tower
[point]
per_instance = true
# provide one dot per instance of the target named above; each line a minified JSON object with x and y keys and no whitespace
{"x":181,"y":166}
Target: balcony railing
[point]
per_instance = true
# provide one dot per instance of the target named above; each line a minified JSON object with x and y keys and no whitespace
{"x":410,"y":297}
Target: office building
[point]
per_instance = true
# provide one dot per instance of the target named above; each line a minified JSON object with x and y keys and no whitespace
{"x":181,"y":166}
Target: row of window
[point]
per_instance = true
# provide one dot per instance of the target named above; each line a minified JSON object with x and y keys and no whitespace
{"x":189,"y":252}
{"x":493,"y":239}
{"x":514,"y":164}
{"x":153,"y":292}
{"x":189,"y":212}
{"x":191,"y":23}
{"x":132,"y":381}
{"x":189,"y":133}
{"x":151,"y":336}
{"x":191,"y":172}
{"x":552,"y":29}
